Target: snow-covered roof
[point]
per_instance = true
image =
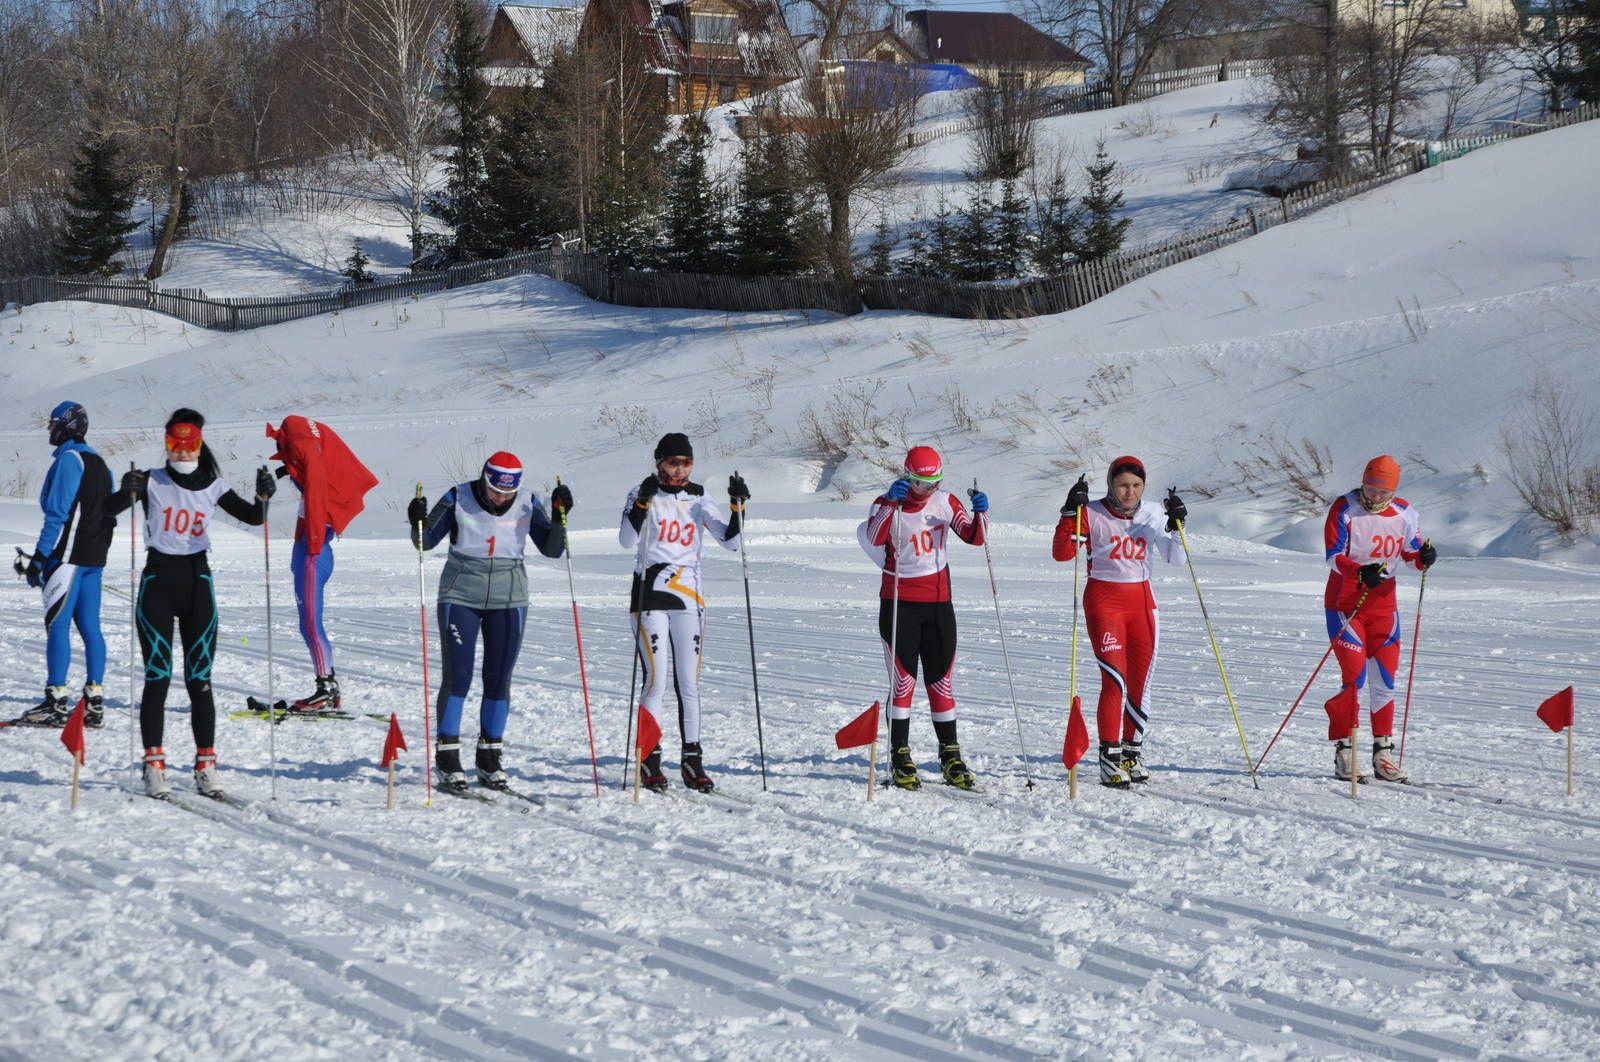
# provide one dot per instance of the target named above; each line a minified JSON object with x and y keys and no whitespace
{"x":545,"y":31}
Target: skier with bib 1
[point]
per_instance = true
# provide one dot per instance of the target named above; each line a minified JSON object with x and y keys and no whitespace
{"x":905,"y":533}
{"x":67,"y":564}
{"x":484,"y":589}
{"x":1368,"y":535}
{"x":666,"y":520}
{"x":180,"y":499}
{"x":1122,"y":535}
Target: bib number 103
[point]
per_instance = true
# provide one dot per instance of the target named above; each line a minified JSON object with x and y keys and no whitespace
{"x":674,"y":531}
{"x":183,"y":522}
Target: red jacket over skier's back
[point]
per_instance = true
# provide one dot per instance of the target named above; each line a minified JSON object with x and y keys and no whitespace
{"x":332,"y":481}
{"x":919,"y":543}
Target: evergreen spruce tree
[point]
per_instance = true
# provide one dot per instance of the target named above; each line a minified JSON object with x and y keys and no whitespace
{"x":1012,"y":241}
{"x":1102,"y":233}
{"x":915,"y":261}
{"x":97,"y":210}
{"x":465,"y":204}
{"x":943,"y":252}
{"x":355,"y":267}
{"x":974,"y":240}
{"x":770,"y":218}
{"x":1058,"y":221}
{"x":694,"y":229}
{"x":523,"y":171}
{"x":878,"y":264}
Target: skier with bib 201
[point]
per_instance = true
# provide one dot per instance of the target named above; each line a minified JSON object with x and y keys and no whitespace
{"x":180,"y":499}
{"x":666,"y":519}
{"x":67,"y":564}
{"x":1369,"y":534}
{"x":905,"y":533}
{"x":1122,"y":535}
{"x":484,"y":590}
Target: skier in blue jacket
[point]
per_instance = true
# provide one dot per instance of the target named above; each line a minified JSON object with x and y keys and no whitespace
{"x":66,"y":566}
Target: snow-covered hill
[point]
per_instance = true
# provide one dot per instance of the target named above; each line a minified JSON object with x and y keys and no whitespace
{"x":1198,"y":919}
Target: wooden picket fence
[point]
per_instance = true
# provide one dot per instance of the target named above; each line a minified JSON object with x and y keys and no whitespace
{"x":1000,"y":300}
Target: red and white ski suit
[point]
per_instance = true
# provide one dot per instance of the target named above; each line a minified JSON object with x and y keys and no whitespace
{"x":1369,"y":649}
{"x":1119,"y":607}
{"x":915,"y":545}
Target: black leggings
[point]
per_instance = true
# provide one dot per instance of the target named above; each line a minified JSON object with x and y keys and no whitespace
{"x":926,"y":633}
{"x":177,"y":589}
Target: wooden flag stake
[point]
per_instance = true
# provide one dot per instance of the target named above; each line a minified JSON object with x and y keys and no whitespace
{"x":77,"y":763}
{"x":389,"y":802}
{"x":1072,"y":783}
{"x":872,"y":765}
{"x":1570,"y":728}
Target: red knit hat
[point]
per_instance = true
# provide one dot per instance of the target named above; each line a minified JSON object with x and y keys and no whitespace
{"x":1382,"y":472}
{"x":1125,"y":463}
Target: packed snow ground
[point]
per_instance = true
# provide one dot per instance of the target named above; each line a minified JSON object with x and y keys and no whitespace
{"x":1200,"y":917}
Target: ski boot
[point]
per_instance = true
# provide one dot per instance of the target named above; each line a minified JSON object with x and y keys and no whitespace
{"x":693,"y":769}
{"x":490,"y":776}
{"x":94,"y":706}
{"x":1132,"y":764}
{"x":650,"y":775}
{"x":1112,"y":773}
{"x":955,"y":768}
{"x":903,"y":769}
{"x":155,"y":774}
{"x":1341,"y":761}
{"x":1385,"y":766}
{"x":206,"y":781}
{"x":52,"y":711}
{"x":325,"y":699}
{"x":447,"y":761}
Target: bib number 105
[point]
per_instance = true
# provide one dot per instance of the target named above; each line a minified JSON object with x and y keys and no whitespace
{"x":183,"y":522}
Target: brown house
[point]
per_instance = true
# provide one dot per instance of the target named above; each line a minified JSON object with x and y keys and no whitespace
{"x":991,"y":45}
{"x":523,"y":40}
{"x":704,"y":52}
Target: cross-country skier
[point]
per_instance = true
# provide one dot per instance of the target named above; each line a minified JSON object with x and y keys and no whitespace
{"x":1123,"y":535}
{"x":666,"y":520}
{"x":180,"y":499}
{"x":332,"y":483}
{"x":484,"y":589}
{"x":67,"y":564}
{"x":905,"y":532}
{"x":1368,"y":535}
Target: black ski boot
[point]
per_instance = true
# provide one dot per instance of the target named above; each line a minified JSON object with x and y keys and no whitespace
{"x":650,"y":772}
{"x":94,"y":706}
{"x":903,"y":769}
{"x":447,"y":760}
{"x":1132,"y":765}
{"x":955,"y":769}
{"x":325,"y":699}
{"x":694,"y":771}
{"x":490,"y":776}
{"x":1112,"y":773}
{"x":52,"y":711}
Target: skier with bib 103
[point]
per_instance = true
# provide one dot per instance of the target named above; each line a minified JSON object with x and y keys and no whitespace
{"x":484,"y":589}
{"x":905,"y":533}
{"x":1368,"y":535}
{"x":1123,"y":535}
{"x":665,"y":520}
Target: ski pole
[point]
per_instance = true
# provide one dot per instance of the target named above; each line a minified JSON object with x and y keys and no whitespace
{"x":1411,"y":668}
{"x":1077,"y":542}
{"x":1326,"y":653}
{"x":1227,"y":689}
{"x":636,"y":622}
{"x":427,"y":708}
{"x":577,"y":630}
{"x":133,"y":624}
{"x":272,"y":695}
{"x":1005,"y":655}
{"x":894,"y":654}
{"x":750,"y":629}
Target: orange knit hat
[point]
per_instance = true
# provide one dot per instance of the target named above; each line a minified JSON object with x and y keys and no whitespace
{"x":1382,"y":472}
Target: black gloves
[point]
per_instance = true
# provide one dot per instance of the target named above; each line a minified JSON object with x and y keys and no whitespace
{"x":1427,"y":555}
{"x":647,"y":490}
{"x":133,"y":483}
{"x":1371,"y":575}
{"x":738,"y":493}
{"x":560,"y":500}
{"x":33,"y":571}
{"x":1077,"y":497}
{"x":417,"y":511}
{"x":1176,"y":510}
{"x":266,"y":486}
{"x":283,"y":470}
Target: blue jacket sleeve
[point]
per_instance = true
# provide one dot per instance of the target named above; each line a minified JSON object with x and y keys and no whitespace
{"x":441,"y":521}
{"x":549,"y":538}
{"x":60,"y":492}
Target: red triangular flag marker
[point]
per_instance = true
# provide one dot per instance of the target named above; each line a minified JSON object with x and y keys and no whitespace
{"x":1556,"y":712}
{"x":394,"y":743}
{"x":649,"y":732}
{"x":72,"y":733}
{"x":1343,"y":712}
{"x":862,"y":730}
{"x":1077,"y":742}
